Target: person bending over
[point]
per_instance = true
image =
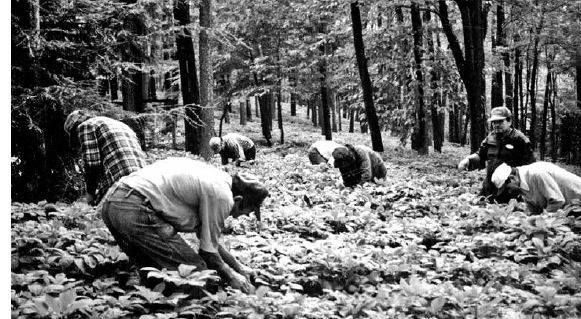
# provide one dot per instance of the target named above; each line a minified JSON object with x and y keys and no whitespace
{"x":542,"y":185}
{"x":358,"y":164}
{"x":110,"y":150}
{"x":145,"y":211}
{"x":322,"y":152}
{"x":233,"y":146}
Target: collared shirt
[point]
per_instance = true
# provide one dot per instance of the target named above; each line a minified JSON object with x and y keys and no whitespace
{"x":190,"y":195}
{"x":234,"y":145}
{"x":112,"y":147}
{"x":546,"y":185}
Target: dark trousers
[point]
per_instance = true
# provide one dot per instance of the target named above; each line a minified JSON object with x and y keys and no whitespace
{"x":145,"y":237}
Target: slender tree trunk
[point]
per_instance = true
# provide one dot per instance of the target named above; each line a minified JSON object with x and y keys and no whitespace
{"x":206,"y":110}
{"x":544,"y":115}
{"x":376,"y":141}
{"x":279,"y":108}
{"x":314,"y":113}
{"x":470,"y":63}
{"x":333,"y":111}
{"x":352,"y":120}
{"x":503,"y":42}
{"x":533,"y":92}
{"x":264,"y":117}
{"x":243,"y":113}
{"x":326,"y":123}
{"x":420,"y":128}
{"x":517,"y":84}
{"x":188,"y":74}
{"x":435,"y":108}
{"x":293,"y":104}
{"x":554,"y":120}
{"x":248,"y":109}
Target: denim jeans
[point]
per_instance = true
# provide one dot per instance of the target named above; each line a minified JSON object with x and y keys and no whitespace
{"x":145,"y":237}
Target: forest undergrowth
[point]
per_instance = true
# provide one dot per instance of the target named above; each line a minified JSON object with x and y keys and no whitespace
{"x":419,"y":244}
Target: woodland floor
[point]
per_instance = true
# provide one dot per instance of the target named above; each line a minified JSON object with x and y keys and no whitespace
{"x":418,"y":245}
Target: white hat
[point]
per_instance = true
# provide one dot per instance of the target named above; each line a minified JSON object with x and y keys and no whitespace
{"x":501,"y":173}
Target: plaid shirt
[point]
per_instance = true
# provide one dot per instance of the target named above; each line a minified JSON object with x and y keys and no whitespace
{"x":111,"y":146}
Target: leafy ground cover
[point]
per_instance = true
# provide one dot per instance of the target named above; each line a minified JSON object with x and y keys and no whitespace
{"x":419,"y":244}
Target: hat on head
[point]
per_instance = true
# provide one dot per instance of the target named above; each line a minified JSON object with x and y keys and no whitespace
{"x":499,"y":113}
{"x":500,"y":175}
{"x":215,"y":144}
{"x":74,"y":119}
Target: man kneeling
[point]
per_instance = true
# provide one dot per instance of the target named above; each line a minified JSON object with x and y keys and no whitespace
{"x":145,"y":210}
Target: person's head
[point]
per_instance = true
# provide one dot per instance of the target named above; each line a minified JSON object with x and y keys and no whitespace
{"x":343,"y":157}
{"x":249,"y":193}
{"x":74,"y":119}
{"x":215,"y":144}
{"x":506,"y":180}
{"x":500,"y":119}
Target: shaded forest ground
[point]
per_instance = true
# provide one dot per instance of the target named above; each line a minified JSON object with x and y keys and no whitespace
{"x":419,"y":244}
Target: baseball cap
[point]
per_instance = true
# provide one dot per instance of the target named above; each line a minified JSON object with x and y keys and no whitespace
{"x":75,"y":118}
{"x":499,"y":113}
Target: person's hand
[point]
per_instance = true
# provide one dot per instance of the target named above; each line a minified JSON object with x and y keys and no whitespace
{"x":248,"y":272}
{"x":463,"y":165}
{"x":238,"y":281}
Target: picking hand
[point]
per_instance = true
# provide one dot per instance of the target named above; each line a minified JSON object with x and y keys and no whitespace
{"x":238,"y":281}
{"x":463,"y":165}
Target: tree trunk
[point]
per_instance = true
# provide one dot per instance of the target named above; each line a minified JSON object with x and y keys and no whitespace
{"x":206,"y":111}
{"x":470,"y":62}
{"x":502,"y":41}
{"x":544,"y":115}
{"x":554,"y":119}
{"x":352,"y":120}
{"x":578,"y":76}
{"x":326,"y":115}
{"x":333,"y":112}
{"x":314,"y":113}
{"x":436,"y":110}
{"x":248,"y":109}
{"x":420,"y":128}
{"x":533,"y":92}
{"x":371,"y":114}
{"x":279,"y":109}
{"x":242,"y":113}
{"x":264,"y":117}
{"x":517,"y":85}
{"x":188,"y":74}
{"x":293,"y":104}
{"x":496,"y":96}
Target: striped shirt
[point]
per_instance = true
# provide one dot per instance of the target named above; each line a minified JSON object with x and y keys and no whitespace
{"x":112,"y":147}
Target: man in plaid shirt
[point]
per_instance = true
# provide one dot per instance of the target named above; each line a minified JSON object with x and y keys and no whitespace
{"x":110,"y":151}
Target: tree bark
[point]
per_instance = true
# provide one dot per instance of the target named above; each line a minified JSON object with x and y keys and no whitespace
{"x":420,"y":130}
{"x":470,"y":63}
{"x":188,"y":74}
{"x":264,"y":118}
{"x":242,"y":113}
{"x":206,"y":110}
{"x":544,"y":115}
{"x":533,"y":92}
{"x":371,"y":114}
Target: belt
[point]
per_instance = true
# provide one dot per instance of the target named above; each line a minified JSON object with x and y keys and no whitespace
{"x":130,"y":191}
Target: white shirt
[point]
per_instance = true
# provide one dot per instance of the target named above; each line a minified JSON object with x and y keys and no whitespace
{"x":190,"y":195}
